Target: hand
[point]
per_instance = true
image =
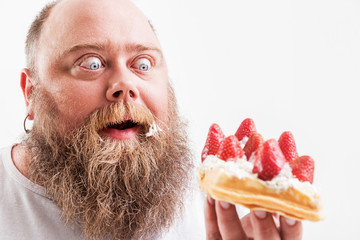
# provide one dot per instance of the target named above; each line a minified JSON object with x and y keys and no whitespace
{"x":222,"y":222}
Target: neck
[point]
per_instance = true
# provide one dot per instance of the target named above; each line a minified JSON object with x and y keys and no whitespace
{"x":20,"y":159}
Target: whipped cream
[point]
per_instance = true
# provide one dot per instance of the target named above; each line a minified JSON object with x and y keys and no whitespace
{"x":241,"y":168}
{"x":153,"y":129}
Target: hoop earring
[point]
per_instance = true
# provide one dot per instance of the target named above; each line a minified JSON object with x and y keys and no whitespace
{"x":27,"y":131}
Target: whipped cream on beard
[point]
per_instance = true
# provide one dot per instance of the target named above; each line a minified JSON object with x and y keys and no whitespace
{"x":153,"y":129}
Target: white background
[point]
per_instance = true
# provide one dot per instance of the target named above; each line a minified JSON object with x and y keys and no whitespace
{"x":289,"y":65}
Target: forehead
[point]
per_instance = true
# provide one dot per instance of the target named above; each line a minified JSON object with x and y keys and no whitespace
{"x":73,"y":22}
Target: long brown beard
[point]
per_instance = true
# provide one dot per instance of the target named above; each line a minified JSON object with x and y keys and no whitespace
{"x":129,"y":189}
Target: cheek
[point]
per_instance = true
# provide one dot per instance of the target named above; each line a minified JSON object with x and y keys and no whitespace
{"x":156,"y":99}
{"x":75,"y":103}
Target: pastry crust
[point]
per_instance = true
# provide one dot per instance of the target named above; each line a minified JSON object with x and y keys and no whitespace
{"x":254,"y":194}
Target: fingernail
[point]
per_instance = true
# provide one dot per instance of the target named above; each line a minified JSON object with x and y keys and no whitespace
{"x":290,"y":222}
{"x":260,"y":214}
{"x":224,"y":205}
{"x":210,"y":200}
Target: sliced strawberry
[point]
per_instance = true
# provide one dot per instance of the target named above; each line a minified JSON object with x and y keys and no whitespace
{"x":257,"y":163}
{"x":246,"y":128}
{"x":230,"y":149}
{"x":303,"y":168}
{"x":288,"y":146}
{"x":254,"y":142}
{"x":269,"y":160}
{"x":213,"y":141}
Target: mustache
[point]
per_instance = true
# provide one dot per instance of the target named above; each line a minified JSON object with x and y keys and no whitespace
{"x":118,"y":113}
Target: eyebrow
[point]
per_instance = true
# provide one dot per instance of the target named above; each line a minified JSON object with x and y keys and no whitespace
{"x":141,"y":48}
{"x":76,"y":47}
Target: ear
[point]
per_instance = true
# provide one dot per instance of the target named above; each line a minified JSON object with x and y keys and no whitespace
{"x":26,"y":83}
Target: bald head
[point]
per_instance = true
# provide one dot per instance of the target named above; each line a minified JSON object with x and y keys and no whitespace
{"x":59,"y":18}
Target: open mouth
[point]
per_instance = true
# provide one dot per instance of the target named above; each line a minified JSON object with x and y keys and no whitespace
{"x":124,"y":130}
{"x":123,"y":125}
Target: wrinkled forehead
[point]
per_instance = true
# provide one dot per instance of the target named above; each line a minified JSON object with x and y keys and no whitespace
{"x":78,"y":21}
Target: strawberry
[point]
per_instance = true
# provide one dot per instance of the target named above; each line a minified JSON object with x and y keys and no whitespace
{"x":254,"y":142}
{"x":288,"y":146}
{"x":269,"y":160}
{"x":230,"y":148}
{"x":246,"y":128}
{"x":257,"y":163}
{"x":213,"y":141}
{"x":303,"y":168}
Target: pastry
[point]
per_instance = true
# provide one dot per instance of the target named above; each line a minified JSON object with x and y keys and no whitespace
{"x":260,"y":175}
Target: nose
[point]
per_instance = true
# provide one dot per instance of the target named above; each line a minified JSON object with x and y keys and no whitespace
{"x":122,"y":87}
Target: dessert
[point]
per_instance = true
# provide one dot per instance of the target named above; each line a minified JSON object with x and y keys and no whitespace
{"x":260,"y":175}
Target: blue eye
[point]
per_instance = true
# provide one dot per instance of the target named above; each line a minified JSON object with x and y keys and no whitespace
{"x":143,"y":67}
{"x":143,"y":64}
{"x":91,"y":63}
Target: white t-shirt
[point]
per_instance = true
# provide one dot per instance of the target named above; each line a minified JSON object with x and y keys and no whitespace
{"x":27,"y":213}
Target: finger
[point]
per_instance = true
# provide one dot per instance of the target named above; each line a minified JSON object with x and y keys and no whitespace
{"x":264,"y":226}
{"x":211,"y":226}
{"x":290,"y":229}
{"x":247,"y":225}
{"x":228,"y":221}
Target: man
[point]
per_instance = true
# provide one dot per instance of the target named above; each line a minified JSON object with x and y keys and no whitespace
{"x":107,"y":156}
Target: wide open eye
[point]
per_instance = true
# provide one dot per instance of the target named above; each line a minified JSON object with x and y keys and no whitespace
{"x":142,"y":64}
{"x":91,"y":63}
